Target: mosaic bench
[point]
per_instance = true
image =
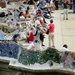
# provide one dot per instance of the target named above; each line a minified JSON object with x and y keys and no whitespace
{"x":9,"y":50}
{"x":9,"y":36}
{"x":28,"y":57}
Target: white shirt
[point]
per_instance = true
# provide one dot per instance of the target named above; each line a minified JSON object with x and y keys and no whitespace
{"x":36,"y":23}
{"x":30,"y":46}
{"x":51,"y":1}
{"x":63,"y":49}
{"x":37,"y":2}
{"x":22,"y":17}
{"x":42,"y":18}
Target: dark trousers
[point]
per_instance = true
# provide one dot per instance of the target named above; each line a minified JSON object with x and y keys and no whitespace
{"x":42,"y":37}
{"x":74,"y":8}
{"x":71,"y":5}
{"x":30,"y":2}
{"x":56,"y":4}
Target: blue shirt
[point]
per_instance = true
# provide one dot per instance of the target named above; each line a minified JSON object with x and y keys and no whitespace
{"x":39,"y":8}
{"x":15,"y":41}
{"x":16,"y":14}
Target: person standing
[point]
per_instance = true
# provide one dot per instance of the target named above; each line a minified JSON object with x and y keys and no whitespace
{"x":66,"y":9}
{"x":36,"y":1}
{"x":43,"y":2}
{"x":56,"y":4}
{"x":47,"y":3}
{"x":51,"y":33}
{"x":37,"y":42}
{"x":37,"y":22}
{"x":73,"y":6}
{"x":50,"y":4}
{"x":30,"y":2}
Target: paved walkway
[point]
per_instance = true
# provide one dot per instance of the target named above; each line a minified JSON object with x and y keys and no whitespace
{"x":68,"y":31}
{"x":64,"y":30}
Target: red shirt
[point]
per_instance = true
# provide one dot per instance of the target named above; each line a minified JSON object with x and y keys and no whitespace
{"x":41,"y":22}
{"x":37,"y":12}
{"x":31,"y":37}
{"x":52,"y":26}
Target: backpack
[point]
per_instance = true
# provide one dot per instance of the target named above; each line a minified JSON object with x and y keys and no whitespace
{"x":36,"y":32}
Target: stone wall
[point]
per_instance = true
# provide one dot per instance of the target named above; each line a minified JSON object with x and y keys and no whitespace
{"x":4,"y":70}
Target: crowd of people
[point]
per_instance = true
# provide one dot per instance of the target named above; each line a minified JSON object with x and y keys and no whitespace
{"x":43,"y":9}
{"x":52,"y":3}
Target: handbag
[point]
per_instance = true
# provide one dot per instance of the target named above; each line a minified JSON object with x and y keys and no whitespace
{"x":47,"y":32}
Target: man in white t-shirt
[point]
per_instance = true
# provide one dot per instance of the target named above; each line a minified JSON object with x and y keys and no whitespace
{"x":64,"y":48}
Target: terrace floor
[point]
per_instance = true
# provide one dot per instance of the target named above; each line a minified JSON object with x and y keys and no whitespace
{"x":64,"y":30}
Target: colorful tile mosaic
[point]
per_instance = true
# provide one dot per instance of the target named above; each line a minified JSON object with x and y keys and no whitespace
{"x":27,"y":57}
{"x":67,"y":58}
{"x":9,"y":50}
{"x":31,"y":57}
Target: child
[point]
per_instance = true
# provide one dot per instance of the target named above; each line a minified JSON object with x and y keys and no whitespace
{"x":65,"y":9}
{"x":31,"y":37}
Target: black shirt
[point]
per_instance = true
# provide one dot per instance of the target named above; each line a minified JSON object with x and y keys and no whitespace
{"x":65,"y":5}
{"x":74,"y":2}
{"x":30,"y":2}
{"x":70,"y":0}
{"x":35,"y":0}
